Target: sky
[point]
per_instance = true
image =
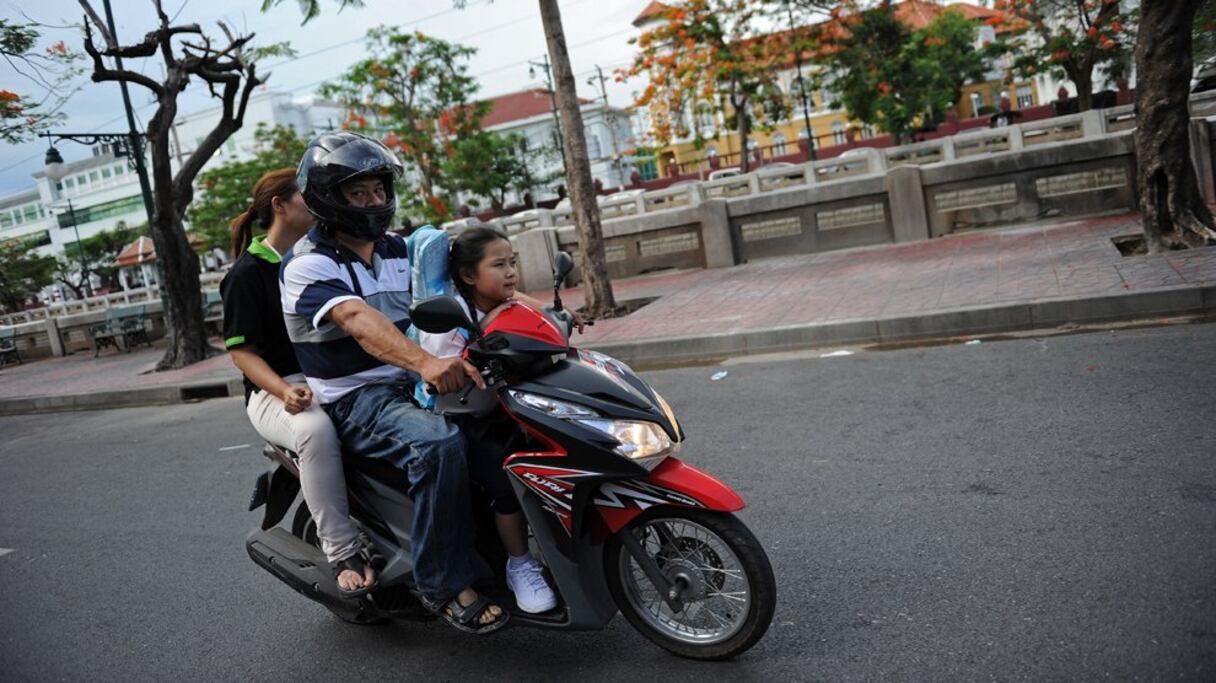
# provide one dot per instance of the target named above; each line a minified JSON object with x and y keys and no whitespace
{"x":506,"y":33}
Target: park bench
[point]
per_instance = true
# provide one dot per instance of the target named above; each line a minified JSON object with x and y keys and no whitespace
{"x":213,"y":311}
{"x":8,"y":346}
{"x":127,"y":326}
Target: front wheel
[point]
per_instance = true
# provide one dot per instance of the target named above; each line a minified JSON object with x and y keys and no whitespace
{"x":726,"y":583}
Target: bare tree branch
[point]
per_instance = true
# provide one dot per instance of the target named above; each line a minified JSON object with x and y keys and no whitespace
{"x":101,"y":25}
{"x":103,"y":73}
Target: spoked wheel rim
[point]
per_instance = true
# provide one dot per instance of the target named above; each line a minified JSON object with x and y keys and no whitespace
{"x":713,"y":583}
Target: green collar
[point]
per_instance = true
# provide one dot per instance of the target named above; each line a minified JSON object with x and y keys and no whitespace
{"x":262,"y":251}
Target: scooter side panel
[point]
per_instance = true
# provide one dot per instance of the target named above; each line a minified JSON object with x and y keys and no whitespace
{"x":673,"y":482}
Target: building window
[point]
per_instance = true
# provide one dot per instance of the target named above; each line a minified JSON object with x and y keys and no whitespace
{"x":977,"y":101}
{"x":93,"y":177}
{"x":105,"y":173}
{"x":59,"y":186}
{"x":41,"y":211}
{"x":6,"y":221}
{"x":838,"y":134}
{"x":779,"y":145}
{"x":82,"y":180}
{"x":69,"y":183}
{"x":17,"y":218}
{"x":1025,"y":97}
{"x":31,"y":213}
{"x":705,"y":119}
{"x":119,"y":170}
{"x":594,"y":149}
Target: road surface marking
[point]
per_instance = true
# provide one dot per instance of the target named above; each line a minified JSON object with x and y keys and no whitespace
{"x":235,"y":448}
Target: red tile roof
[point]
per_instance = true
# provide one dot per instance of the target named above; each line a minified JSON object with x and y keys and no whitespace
{"x":654,"y":9}
{"x":520,"y":105}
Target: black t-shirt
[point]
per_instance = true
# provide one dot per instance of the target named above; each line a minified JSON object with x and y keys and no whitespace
{"x":253,"y":312}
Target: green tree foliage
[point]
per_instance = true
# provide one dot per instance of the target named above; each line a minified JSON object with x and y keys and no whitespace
{"x":897,"y":79}
{"x":1069,"y":39}
{"x":22,"y":274}
{"x":49,"y":71}
{"x":488,"y":165}
{"x":1204,"y":34}
{"x":225,"y":190}
{"x":415,"y":93}
{"x":100,"y":250}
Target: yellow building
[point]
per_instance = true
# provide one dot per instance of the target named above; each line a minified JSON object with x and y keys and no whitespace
{"x":720,"y":146}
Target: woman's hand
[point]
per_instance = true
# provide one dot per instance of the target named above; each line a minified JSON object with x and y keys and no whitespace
{"x":296,"y":398}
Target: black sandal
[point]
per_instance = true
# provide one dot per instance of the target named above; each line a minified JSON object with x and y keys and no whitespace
{"x":467,"y":618}
{"x":358,"y":563}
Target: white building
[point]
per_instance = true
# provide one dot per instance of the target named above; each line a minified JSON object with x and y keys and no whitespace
{"x":529,"y":114}
{"x":99,"y":191}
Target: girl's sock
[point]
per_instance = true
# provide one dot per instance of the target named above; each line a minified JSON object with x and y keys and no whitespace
{"x":519,"y":562}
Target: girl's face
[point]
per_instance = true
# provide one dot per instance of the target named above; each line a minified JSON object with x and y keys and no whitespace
{"x":495,"y":278}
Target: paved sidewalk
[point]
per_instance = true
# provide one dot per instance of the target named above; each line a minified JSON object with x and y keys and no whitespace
{"x":991,"y":281}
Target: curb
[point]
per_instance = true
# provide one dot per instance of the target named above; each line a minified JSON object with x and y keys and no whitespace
{"x":124,"y":398}
{"x":1017,"y":317}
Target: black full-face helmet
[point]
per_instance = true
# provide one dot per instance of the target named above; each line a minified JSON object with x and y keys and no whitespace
{"x":334,"y":158}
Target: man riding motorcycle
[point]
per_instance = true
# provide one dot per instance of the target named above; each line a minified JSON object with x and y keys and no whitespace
{"x":346,"y":305}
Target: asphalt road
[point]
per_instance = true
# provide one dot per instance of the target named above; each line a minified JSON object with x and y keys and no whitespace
{"x":1031,"y":509}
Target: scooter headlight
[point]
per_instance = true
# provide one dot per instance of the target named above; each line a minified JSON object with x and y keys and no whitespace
{"x":639,"y":441}
{"x":643,"y":442}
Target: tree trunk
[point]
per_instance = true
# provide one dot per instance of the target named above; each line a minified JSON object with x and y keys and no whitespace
{"x":176,"y":261}
{"x":597,"y":290}
{"x":1171,"y":206}
{"x":1082,"y":76}
{"x":741,"y":124}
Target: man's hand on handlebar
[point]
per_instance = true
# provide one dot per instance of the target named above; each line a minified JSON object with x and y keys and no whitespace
{"x":447,"y":375}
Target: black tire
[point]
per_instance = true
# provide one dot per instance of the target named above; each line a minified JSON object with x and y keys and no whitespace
{"x":762,"y":587}
{"x":304,"y":528}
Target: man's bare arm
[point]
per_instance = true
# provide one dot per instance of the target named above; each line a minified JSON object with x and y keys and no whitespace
{"x":380,"y":338}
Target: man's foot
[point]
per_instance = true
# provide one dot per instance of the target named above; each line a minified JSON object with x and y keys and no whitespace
{"x":527,"y":581}
{"x":350,"y":580}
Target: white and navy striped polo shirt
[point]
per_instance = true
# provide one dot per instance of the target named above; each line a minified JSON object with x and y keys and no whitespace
{"x":317,"y":275}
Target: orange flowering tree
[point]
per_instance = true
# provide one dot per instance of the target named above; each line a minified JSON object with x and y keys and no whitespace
{"x":1069,"y":39}
{"x":414,"y":93}
{"x":48,"y":71}
{"x":710,"y":55}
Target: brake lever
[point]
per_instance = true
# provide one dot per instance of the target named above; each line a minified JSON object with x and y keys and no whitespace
{"x":464,"y":393}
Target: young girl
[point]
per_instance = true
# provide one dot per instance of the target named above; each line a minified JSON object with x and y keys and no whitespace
{"x":277,"y":400}
{"x":482,"y":267}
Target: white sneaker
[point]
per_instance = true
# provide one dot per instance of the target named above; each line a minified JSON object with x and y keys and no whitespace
{"x":532,"y":592}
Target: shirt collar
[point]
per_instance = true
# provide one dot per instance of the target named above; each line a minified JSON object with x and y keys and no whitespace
{"x":264,"y":251}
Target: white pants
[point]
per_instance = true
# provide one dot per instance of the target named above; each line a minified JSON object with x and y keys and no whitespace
{"x":310,"y":433}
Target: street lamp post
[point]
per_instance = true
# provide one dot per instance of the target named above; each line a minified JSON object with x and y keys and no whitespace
{"x":806,"y":116}
{"x":84,"y":264}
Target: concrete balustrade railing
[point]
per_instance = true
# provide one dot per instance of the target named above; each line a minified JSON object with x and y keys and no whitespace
{"x":1074,"y":166}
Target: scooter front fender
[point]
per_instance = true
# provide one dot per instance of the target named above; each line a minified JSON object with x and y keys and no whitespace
{"x":674,"y":482}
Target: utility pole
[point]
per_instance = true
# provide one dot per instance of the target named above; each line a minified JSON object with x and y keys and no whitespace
{"x":806,"y":116}
{"x":611,"y":118}
{"x":557,"y":123}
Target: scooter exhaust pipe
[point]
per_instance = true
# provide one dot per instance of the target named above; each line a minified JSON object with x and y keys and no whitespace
{"x":299,"y":565}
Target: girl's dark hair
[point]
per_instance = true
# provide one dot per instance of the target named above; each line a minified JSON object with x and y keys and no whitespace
{"x":279,"y":183}
{"x":468,"y":249}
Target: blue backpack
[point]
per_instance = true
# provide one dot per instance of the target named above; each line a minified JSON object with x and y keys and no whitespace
{"x":427,"y":248}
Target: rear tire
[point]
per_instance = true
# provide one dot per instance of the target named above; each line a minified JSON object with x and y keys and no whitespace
{"x":707,"y":545}
{"x":304,"y":528}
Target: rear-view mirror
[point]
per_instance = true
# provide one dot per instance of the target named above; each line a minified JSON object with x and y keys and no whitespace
{"x":441,"y":314}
